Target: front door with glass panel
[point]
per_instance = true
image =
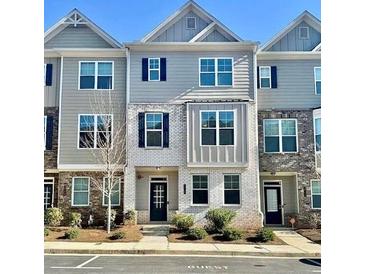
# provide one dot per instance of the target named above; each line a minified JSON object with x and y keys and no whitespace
{"x":48,"y":195}
{"x":273,"y":209}
{"x":158,"y":201}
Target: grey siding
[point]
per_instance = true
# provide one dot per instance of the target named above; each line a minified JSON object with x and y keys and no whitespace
{"x":75,"y":102}
{"x":183,"y":78}
{"x":216,"y":36}
{"x":80,"y":36}
{"x":291,"y":41}
{"x":178,"y":32}
{"x":295,"y":86}
{"x":51,"y":93}
{"x":218,"y":155}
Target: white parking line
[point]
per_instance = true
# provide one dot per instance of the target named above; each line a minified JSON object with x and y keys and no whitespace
{"x":81,"y":265}
{"x":88,"y":261}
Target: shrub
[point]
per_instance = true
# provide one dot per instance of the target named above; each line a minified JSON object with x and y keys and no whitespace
{"x":219,"y":218}
{"x":183,"y":221}
{"x":265,"y":234}
{"x":75,"y":219}
{"x":113,"y":214}
{"x":53,"y":216}
{"x":196,"y":233}
{"x":73,"y":233}
{"x":46,"y":231}
{"x":130,"y":217}
{"x":117,"y":235}
{"x":232,"y":234}
{"x":313,"y":219}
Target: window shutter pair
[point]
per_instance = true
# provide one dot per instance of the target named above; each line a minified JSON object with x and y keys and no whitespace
{"x":274,"y":77}
{"x":49,"y":133}
{"x":145,"y":69}
{"x":49,"y":75}
{"x":141,"y":129}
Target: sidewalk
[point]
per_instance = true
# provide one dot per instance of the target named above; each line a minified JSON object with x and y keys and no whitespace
{"x":298,"y":246}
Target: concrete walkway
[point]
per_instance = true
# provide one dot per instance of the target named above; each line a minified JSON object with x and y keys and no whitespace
{"x":294,"y":239}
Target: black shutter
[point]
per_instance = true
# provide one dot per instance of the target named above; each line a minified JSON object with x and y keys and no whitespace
{"x":258,"y":77}
{"x":141,"y":129}
{"x":144,"y":69}
{"x":49,"y":133}
{"x":49,"y":75}
{"x":166,"y":130}
{"x":274,"y":77}
{"x":163,"y":69}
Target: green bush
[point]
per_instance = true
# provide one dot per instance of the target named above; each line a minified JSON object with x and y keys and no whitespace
{"x":117,"y":235}
{"x":130,"y":217}
{"x":265,"y":234}
{"x":196,"y":233}
{"x":219,"y":218}
{"x":46,"y":231}
{"x":53,"y":216}
{"x":75,"y":219}
{"x":73,"y":233}
{"x":113,"y":214}
{"x":232,"y":234}
{"x":182,"y":221}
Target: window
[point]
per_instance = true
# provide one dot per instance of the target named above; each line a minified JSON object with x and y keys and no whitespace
{"x":190,"y":23}
{"x":316,"y":194}
{"x":317,"y":80}
{"x":265,"y":77}
{"x":115,"y":197}
{"x":80,"y":191}
{"x":95,"y":131}
{"x":303,"y":33}
{"x":200,"y":189}
{"x":231,"y":189}
{"x":317,"y":133}
{"x":280,"y":135}
{"x":45,"y":132}
{"x":216,"y":71}
{"x":213,"y":133}
{"x":154,"y":69}
{"x":96,"y":75}
{"x":45,"y":73}
{"x":153,"y":129}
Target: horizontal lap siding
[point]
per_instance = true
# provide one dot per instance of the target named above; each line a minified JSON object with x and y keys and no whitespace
{"x":51,"y":93}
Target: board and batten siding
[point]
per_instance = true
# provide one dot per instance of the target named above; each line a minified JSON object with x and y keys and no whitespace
{"x":295,"y":89}
{"x":182,"y":84}
{"x":51,"y":93}
{"x":75,"y":102}
{"x":216,"y":154}
{"x":80,"y":36}
{"x":216,"y":36}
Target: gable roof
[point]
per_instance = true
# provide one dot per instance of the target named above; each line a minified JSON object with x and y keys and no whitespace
{"x":75,"y":17}
{"x":190,"y":5}
{"x":306,"y":16}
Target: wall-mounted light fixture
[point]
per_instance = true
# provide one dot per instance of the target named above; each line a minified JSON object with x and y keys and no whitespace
{"x":158,"y":168}
{"x":184,"y":188}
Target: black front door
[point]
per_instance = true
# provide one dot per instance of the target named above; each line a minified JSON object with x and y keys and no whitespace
{"x":273,"y":205}
{"x":48,"y":195}
{"x":158,"y":202}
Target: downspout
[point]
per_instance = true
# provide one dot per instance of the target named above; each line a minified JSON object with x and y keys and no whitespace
{"x":59,"y":114}
{"x":126,"y":120}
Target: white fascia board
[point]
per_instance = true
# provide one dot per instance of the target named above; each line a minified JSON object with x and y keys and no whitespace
{"x":288,"y":55}
{"x":317,"y":48}
{"x":204,"y":33}
{"x":84,"y":167}
{"x":85,"y":52}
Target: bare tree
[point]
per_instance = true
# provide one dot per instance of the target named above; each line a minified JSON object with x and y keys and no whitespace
{"x":105,"y":132}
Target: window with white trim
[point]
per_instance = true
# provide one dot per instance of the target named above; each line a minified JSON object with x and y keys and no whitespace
{"x":80,"y":191}
{"x":153,"y":69}
{"x":317,"y":80}
{"x":317,"y":134}
{"x":45,"y":131}
{"x":190,"y":22}
{"x":265,"y":76}
{"x":115,"y":196}
{"x":213,"y":133}
{"x":154,"y":129}
{"x":96,"y":75}
{"x":95,"y":131}
{"x":303,"y":33}
{"x":232,"y":189}
{"x":280,"y":135}
{"x":216,"y":72}
{"x":316,"y":194}
{"x":200,"y":189}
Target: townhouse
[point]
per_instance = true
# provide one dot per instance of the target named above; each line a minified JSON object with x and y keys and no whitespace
{"x":192,"y":96}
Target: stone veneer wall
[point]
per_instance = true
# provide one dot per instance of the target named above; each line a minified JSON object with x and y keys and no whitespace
{"x":50,"y":156}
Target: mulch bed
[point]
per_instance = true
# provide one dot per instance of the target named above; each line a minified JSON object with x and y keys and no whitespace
{"x":132,"y":234}
{"x":312,"y":234}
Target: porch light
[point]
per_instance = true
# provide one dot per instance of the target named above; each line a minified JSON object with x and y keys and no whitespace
{"x":158,"y":168}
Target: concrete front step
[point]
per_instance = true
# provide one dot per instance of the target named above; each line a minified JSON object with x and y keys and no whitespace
{"x":155,"y":230}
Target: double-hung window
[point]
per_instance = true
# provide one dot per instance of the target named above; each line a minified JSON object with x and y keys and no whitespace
{"x":317,"y":80}
{"x":153,"y":69}
{"x":96,"y":75}
{"x":280,"y":135}
{"x":216,"y":72}
{"x":80,"y":191}
{"x":213,"y":133}
{"x":317,"y":133}
{"x":115,"y":192}
{"x":265,"y":77}
{"x":200,"y":189}
{"x":154,"y":129}
{"x":95,"y":131}
{"x":232,"y":189}
{"x":316,"y":194}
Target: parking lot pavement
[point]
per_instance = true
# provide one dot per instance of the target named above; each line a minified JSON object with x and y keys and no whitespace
{"x":107,"y":264}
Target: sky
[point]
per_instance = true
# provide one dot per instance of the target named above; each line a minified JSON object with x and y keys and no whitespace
{"x":130,"y":20}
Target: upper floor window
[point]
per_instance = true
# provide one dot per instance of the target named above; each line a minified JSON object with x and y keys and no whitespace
{"x":190,"y":22}
{"x":317,"y":80}
{"x":153,"y":69}
{"x":280,"y":135}
{"x":303,"y":33}
{"x":216,"y":71}
{"x":317,"y":134}
{"x":95,"y":131}
{"x":154,"y":130}
{"x":265,"y":77}
{"x":200,"y":189}
{"x":80,"y":191}
{"x":213,"y":133}
{"x":316,"y":194}
{"x":96,"y":75}
{"x":48,"y":74}
{"x":44,"y":130}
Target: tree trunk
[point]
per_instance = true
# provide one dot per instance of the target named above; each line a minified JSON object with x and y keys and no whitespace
{"x":109,"y":211}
